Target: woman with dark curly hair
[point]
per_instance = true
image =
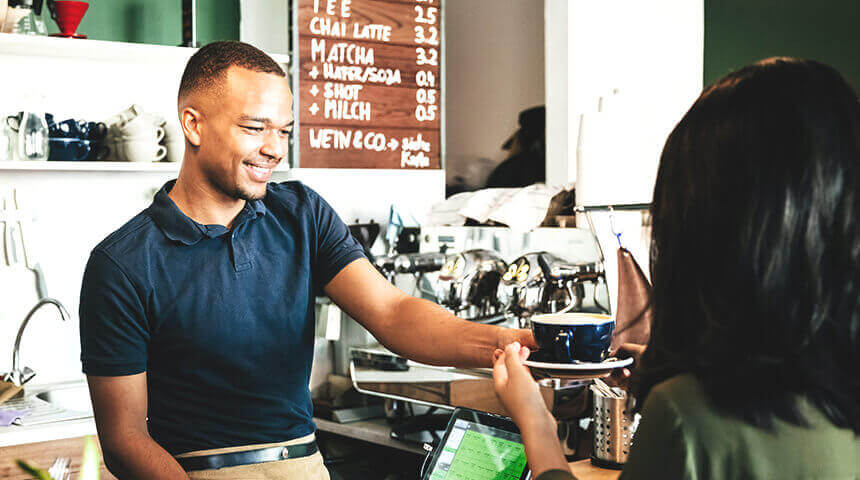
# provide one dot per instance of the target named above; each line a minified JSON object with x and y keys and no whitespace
{"x":752,"y":366}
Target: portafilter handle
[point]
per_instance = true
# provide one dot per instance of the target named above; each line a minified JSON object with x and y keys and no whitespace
{"x":385,"y":265}
{"x":419,"y":262}
{"x":561,"y":272}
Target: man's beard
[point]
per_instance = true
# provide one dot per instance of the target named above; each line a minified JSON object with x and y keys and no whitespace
{"x":236,"y":190}
{"x":243,"y":194}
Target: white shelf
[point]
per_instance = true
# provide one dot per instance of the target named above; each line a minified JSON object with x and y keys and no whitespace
{"x":85,"y":166}
{"x":41,"y":46}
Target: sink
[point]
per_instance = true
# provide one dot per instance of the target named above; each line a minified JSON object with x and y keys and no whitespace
{"x":50,"y":403}
{"x":73,"y":397}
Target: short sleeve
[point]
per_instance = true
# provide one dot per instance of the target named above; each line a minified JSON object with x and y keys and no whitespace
{"x":335,"y":246}
{"x":659,"y":448}
{"x":114,"y":331}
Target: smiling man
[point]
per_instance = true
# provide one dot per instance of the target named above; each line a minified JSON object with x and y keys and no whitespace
{"x":197,"y":316}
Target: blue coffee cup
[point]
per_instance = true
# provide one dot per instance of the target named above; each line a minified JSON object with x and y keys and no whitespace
{"x":68,"y":150}
{"x":70,"y":128}
{"x":573,"y":337}
{"x":93,"y":131}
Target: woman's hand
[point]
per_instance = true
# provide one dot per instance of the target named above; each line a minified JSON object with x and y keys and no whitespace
{"x":521,"y":397}
{"x":621,"y":376}
{"x":515,"y":386}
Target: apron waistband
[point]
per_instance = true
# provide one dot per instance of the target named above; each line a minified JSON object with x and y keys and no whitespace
{"x":247,"y":457}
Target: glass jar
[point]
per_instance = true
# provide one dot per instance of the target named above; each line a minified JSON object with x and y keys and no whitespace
{"x":7,"y":142}
{"x":30,"y":22}
{"x":33,"y":137}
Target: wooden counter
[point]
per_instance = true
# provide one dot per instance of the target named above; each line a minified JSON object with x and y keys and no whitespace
{"x":376,"y":431}
{"x":43,"y":454}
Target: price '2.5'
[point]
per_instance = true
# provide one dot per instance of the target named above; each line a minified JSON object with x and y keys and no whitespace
{"x":430,"y":16}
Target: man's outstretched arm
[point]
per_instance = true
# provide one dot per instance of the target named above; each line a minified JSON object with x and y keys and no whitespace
{"x":414,"y":328}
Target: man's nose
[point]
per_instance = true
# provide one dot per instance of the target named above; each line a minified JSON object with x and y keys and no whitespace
{"x":274,"y":145}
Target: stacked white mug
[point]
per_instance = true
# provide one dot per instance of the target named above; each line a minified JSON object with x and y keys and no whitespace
{"x":135,"y":136}
{"x":174,"y":140}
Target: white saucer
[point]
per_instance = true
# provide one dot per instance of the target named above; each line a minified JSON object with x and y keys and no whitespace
{"x":580,"y":367}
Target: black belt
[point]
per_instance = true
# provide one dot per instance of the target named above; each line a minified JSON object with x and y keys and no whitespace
{"x":270,"y":454}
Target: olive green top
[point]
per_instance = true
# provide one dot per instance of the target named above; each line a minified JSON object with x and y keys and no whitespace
{"x":682,"y":436}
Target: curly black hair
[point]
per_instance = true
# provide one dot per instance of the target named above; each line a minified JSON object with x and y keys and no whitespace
{"x":207,"y":65}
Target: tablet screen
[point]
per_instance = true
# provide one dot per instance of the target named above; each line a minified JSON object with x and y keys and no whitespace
{"x":480,"y":452}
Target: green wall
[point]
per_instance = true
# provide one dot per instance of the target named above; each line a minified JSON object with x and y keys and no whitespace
{"x":738,"y":32}
{"x":156,"y":21}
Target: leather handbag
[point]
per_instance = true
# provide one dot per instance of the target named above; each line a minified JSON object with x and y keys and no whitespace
{"x":634,"y":314}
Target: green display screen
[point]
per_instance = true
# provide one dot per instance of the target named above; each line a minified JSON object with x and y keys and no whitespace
{"x":479,"y":452}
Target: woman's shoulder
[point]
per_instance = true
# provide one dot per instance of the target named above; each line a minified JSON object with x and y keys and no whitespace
{"x":709,"y":434}
{"x":684,"y":392}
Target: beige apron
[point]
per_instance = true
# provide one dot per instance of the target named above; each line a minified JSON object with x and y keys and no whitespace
{"x":310,"y":467}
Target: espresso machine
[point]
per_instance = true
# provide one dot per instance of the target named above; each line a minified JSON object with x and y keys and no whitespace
{"x":467,"y":285}
{"x":551,"y":270}
{"x":541,"y":282}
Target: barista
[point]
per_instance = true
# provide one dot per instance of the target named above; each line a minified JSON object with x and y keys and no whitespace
{"x":197,"y":316}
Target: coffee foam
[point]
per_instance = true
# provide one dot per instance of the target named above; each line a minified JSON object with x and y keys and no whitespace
{"x":572,"y":319}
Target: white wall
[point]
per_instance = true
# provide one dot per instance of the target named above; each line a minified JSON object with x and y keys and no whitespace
{"x":495,"y":69}
{"x":652,"y":53}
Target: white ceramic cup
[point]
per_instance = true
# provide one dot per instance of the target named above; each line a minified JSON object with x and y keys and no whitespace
{"x":154,"y":119}
{"x":173,"y":133}
{"x":140,"y":126}
{"x":175,"y":151}
{"x":141,"y":151}
{"x":122,"y":117}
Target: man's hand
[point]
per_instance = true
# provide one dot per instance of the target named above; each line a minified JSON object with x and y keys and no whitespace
{"x":522,"y":336}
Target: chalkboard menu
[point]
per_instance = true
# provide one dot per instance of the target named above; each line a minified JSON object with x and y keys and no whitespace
{"x":369,"y":81}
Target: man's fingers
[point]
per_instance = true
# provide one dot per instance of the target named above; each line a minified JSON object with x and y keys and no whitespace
{"x":500,"y":373}
{"x":527,"y":338}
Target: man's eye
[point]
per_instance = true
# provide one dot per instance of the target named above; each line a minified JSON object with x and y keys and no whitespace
{"x":286,"y":133}
{"x":253,"y":129}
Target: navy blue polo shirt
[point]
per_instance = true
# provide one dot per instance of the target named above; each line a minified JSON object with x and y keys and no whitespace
{"x":221,"y":320}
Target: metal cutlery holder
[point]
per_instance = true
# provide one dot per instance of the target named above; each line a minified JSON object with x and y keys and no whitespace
{"x":614,"y":428}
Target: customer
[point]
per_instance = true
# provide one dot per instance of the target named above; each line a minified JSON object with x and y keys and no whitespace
{"x":751,"y":370}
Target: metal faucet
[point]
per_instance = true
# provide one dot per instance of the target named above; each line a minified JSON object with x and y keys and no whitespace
{"x":17,"y":375}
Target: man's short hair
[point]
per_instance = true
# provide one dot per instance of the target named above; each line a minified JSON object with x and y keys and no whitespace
{"x":206,"y":67}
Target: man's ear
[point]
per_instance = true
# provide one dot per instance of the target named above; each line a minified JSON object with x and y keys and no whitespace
{"x":190,"y":120}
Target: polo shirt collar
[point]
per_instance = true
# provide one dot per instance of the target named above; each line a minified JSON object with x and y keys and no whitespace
{"x":180,"y":228}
